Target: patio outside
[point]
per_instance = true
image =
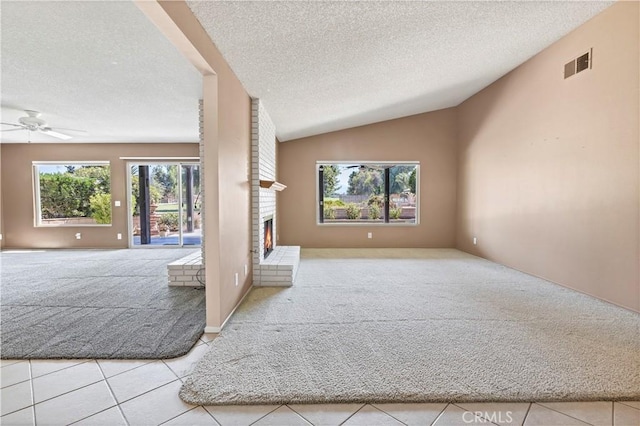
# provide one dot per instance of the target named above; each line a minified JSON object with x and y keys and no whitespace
{"x":166,"y":208}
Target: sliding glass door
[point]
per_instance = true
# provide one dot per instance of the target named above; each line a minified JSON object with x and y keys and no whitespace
{"x":190,"y":202}
{"x":165,"y":203}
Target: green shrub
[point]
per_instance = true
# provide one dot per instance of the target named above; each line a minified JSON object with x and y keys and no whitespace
{"x":170,"y":220}
{"x":330,"y":205}
{"x":333,"y":202}
{"x":101,"y":176}
{"x":101,"y":208}
{"x":65,"y":195}
{"x":376,"y":200}
{"x":395,"y":213}
{"x":329,"y":212}
{"x":353,"y":211}
{"x":374,"y":211}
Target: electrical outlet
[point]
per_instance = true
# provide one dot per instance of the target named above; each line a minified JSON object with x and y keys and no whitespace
{"x":116,"y":203}
{"x":119,"y":236}
{"x":475,"y":241}
{"x":78,"y":235}
{"x":236,"y":279}
{"x":0,"y":236}
{"x":370,"y":235}
{"x":246,"y":270}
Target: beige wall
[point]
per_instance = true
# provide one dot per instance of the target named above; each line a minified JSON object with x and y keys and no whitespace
{"x":429,"y":138}
{"x":17,"y":191}
{"x":227,"y":155}
{"x":549,"y":168}
{"x":234,"y":116}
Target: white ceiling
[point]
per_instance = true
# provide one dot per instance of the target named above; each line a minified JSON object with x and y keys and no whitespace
{"x":101,"y":66}
{"x":320,"y":66}
{"x":324,"y":66}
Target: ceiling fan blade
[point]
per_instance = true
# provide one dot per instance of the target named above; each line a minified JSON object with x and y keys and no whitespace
{"x":11,"y":130}
{"x":64,"y":129}
{"x":11,"y":124}
{"x":55,"y":134}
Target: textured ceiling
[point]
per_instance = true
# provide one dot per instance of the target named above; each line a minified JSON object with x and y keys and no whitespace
{"x":318,"y":66}
{"x":324,"y":66}
{"x":98,"y":66}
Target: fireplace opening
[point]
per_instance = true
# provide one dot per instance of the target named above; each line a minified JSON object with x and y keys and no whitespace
{"x":268,"y":237}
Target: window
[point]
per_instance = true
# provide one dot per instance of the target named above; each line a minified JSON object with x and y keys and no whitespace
{"x":72,"y":194}
{"x":368,"y":192}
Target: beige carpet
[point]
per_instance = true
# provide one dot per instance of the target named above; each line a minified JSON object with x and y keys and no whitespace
{"x":418,"y":326}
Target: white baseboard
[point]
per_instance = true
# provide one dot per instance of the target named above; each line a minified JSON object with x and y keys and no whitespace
{"x":209,"y":329}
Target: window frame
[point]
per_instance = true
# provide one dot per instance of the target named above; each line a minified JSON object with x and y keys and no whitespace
{"x":35,"y":175}
{"x":319,"y":210}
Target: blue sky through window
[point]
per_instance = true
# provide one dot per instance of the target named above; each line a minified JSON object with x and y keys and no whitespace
{"x":51,"y":168}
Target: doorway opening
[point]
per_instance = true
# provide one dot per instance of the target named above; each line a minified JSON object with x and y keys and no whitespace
{"x":165,"y":204}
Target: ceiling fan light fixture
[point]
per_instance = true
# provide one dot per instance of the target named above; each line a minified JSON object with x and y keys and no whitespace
{"x":32,"y":122}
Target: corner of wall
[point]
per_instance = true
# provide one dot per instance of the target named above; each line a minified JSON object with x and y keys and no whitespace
{"x":456,"y":118}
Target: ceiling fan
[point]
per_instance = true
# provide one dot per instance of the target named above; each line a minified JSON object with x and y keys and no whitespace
{"x":33,"y":123}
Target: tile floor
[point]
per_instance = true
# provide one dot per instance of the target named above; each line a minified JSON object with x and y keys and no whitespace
{"x":145,"y":392}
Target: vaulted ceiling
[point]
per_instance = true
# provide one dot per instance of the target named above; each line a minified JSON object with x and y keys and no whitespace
{"x":102,"y":66}
{"x":328,"y":65}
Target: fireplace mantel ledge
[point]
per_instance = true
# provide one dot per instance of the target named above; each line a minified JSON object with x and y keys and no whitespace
{"x":272,"y":184}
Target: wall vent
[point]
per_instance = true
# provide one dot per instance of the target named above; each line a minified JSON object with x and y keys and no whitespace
{"x":581,"y":63}
{"x":569,"y":69}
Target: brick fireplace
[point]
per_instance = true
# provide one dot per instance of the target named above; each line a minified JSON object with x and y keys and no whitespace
{"x":279,"y":266}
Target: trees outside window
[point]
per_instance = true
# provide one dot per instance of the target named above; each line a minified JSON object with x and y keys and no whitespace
{"x":384,"y":192}
{"x":366,"y":181}
{"x":165,"y":179}
{"x":330,"y":183}
{"x":73,"y":194}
